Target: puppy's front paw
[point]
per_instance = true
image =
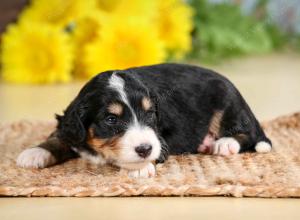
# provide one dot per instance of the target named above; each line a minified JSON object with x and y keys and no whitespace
{"x":35,"y":158}
{"x":145,"y":172}
{"x":226,"y":146}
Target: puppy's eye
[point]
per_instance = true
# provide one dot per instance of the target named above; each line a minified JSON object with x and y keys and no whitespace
{"x":111,"y":120}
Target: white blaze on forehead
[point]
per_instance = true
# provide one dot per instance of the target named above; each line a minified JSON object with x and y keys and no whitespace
{"x":118,"y":84}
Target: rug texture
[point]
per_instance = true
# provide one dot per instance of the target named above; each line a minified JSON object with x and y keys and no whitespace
{"x":275,"y":174}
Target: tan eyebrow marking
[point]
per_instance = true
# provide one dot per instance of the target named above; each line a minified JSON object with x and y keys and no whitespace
{"x":146,"y":103}
{"x":215,"y":123}
{"x":115,"y":108}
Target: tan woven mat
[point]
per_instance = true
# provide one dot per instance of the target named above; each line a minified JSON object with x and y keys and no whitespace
{"x":276,"y":174}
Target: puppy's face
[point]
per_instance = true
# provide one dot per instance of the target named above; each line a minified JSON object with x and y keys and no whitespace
{"x":124,"y":129}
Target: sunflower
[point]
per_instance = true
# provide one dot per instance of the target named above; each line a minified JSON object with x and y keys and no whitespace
{"x":34,"y":53}
{"x":124,"y":44}
{"x":85,"y":32}
{"x":174,"y":21}
{"x":56,"y":12}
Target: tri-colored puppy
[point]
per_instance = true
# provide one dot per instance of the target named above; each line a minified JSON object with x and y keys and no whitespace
{"x":133,"y":118}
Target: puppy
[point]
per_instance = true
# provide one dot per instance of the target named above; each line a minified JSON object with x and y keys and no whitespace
{"x":136,"y":117}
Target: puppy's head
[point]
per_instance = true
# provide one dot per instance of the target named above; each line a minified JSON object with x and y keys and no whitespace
{"x":117,"y":120}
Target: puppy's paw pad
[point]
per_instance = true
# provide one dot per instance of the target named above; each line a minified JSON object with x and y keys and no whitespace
{"x":145,"y":172}
{"x":35,"y":158}
{"x":207,"y":145}
{"x":205,"y":149}
{"x":226,"y":146}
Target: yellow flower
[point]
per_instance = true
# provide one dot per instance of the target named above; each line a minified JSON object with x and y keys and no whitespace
{"x":174,"y":21}
{"x":124,"y":44}
{"x":56,"y":12}
{"x":85,"y":32}
{"x":34,"y":53}
{"x":129,"y":9}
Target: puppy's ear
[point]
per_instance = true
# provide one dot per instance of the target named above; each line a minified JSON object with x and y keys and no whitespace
{"x":72,"y":126}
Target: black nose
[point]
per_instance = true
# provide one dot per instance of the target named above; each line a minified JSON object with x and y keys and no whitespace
{"x":143,"y":150}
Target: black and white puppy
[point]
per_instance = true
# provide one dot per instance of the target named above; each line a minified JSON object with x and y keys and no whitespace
{"x":133,"y":118}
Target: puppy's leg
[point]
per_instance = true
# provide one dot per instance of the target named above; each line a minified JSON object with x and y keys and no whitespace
{"x":233,"y":127}
{"x":236,"y":137}
{"x":215,"y":142}
{"x":240,"y":132}
{"x":48,"y":153}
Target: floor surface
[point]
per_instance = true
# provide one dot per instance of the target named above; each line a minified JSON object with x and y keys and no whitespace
{"x":149,"y":208}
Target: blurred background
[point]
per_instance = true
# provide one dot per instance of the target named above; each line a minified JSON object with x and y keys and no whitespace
{"x":49,"y":49}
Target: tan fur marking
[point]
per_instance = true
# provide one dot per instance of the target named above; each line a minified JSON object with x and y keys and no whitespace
{"x":111,"y":149}
{"x":91,"y":133}
{"x":96,"y":143}
{"x":241,"y":138}
{"x":146,"y":103}
{"x":115,"y":108}
{"x":215,"y":124}
{"x":108,"y":148}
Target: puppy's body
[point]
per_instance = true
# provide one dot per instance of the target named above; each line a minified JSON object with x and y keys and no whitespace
{"x":189,"y":98}
{"x":135,"y":116}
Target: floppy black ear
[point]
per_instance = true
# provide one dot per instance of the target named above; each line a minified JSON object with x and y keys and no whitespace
{"x":72,"y":126}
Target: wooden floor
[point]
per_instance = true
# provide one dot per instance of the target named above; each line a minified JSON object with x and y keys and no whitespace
{"x":270,"y":84}
{"x":149,"y":208}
